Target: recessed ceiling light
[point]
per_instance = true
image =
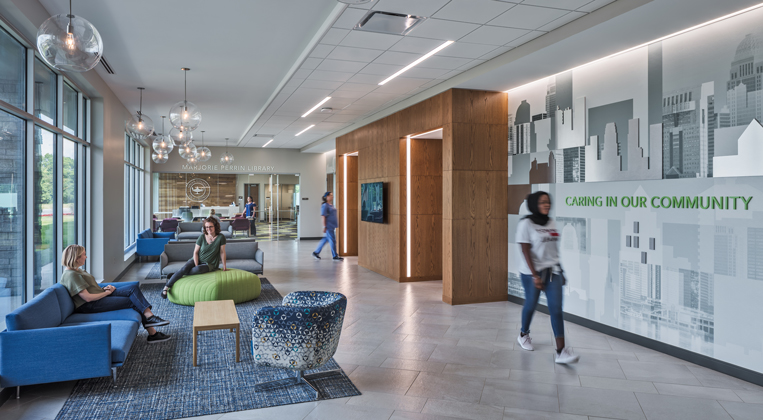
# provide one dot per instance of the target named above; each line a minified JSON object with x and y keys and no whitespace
{"x":409,"y":66}
{"x":316,"y":107}
{"x":269,"y":141}
{"x":304,"y":130}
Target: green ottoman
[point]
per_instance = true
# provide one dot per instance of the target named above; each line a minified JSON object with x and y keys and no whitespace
{"x":238,"y":285}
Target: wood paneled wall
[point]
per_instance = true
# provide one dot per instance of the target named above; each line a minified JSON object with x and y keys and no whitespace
{"x":466,"y":242}
{"x":353,"y":214}
{"x":172,"y":192}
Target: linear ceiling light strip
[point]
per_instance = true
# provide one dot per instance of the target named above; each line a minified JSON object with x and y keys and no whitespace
{"x":316,"y":107}
{"x":304,"y":130}
{"x":269,"y":141}
{"x":409,"y":66}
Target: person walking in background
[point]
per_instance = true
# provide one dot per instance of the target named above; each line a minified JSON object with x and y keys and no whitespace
{"x":540,"y":271}
{"x":250,"y":211}
{"x":330,"y":222}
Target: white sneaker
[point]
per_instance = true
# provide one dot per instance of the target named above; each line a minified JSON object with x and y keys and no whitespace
{"x":567,"y":356}
{"x":525,"y":342}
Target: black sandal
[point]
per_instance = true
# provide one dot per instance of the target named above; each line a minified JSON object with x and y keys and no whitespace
{"x":164,"y":293}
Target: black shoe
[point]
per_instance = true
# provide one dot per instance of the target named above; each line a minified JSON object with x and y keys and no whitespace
{"x":164,"y":293}
{"x":154,"y":321}
{"x":157,"y":338}
{"x":316,"y":256}
{"x":338,"y":259}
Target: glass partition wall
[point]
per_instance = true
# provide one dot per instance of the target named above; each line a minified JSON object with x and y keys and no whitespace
{"x":44,"y":153}
{"x":193,"y":196}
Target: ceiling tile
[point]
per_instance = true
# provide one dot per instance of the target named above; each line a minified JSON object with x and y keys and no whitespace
{"x":349,"y":18}
{"x":496,"y":52}
{"x":370,"y":79}
{"x":391,"y":88}
{"x":450,"y":74}
{"x":332,"y":76}
{"x":343,"y":66}
{"x":407,"y":82}
{"x":471,"y":64}
{"x":527,"y":17}
{"x":558,"y":4}
{"x":447,"y":63}
{"x":525,"y":38}
{"x":334,"y":36}
{"x":364,"y":55}
{"x":370,"y":40}
{"x":357,"y":87}
{"x":320,"y":84}
{"x":301,"y":74}
{"x":474,"y":11}
{"x":415,"y":45}
{"x":493,"y":35}
{"x":445,"y":30}
{"x":408,"y":7}
{"x":321,"y":51}
{"x":379,"y":98}
{"x":294,"y":82}
{"x":397,"y":58}
{"x":423,"y":73}
{"x":464,"y":50}
{"x":595,"y":4}
{"x":342,"y":118}
{"x":311,"y":63}
{"x":380,"y":69}
{"x":347,"y":94}
{"x":569,"y":17}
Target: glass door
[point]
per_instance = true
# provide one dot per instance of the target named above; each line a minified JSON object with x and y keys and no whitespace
{"x":282,"y":207}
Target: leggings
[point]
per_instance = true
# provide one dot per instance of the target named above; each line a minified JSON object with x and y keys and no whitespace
{"x":124,"y":297}
{"x":553,"y":291}
{"x":190,"y":268}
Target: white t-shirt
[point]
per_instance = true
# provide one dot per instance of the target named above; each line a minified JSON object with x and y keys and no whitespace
{"x":544,"y":245}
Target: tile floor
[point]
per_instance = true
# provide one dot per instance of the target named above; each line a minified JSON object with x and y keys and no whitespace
{"x":414,"y":357}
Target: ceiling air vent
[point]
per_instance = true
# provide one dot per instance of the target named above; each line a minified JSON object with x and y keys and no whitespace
{"x":106,"y":65}
{"x":388,"y":23}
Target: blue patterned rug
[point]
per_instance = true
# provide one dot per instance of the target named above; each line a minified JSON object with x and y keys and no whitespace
{"x":158,"y":381}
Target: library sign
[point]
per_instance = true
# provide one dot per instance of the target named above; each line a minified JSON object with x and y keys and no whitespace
{"x":662,"y":202}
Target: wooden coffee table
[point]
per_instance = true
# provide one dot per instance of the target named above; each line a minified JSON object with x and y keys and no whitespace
{"x":215,"y":315}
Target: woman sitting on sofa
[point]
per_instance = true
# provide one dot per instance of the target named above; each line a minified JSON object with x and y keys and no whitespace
{"x":89,"y":297}
{"x":207,"y":255}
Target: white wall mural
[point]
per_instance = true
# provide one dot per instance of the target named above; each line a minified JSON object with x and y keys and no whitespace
{"x":653,"y":159}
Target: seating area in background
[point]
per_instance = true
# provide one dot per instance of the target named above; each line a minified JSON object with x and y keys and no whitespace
{"x":242,"y":254}
{"x":240,"y":224}
{"x":151,"y":244}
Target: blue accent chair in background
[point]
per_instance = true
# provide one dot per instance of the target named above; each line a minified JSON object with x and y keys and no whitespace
{"x":300,"y":335}
{"x":151,"y":244}
{"x":46,"y":341}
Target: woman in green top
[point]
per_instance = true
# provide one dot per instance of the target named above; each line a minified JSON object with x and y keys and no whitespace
{"x":89,"y":297}
{"x":207,"y":255}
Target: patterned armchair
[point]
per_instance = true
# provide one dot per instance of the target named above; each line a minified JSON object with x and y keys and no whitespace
{"x":302,"y":334}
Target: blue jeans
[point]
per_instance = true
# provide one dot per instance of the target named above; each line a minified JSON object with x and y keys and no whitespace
{"x":331,"y":239}
{"x":553,"y":291}
{"x":124,"y":297}
{"x":190,"y":268}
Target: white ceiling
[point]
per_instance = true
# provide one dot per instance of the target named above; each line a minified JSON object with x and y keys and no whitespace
{"x":239,"y":51}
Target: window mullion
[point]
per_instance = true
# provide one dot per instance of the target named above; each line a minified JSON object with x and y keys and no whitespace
{"x":58,"y":210}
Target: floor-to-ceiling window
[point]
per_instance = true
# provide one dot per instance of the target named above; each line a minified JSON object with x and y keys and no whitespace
{"x":135,"y":175}
{"x":44,"y":156}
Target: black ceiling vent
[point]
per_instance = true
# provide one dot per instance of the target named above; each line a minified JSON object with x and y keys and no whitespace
{"x":388,"y":23}
{"x":106,"y":65}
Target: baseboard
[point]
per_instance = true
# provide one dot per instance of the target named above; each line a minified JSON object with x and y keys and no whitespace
{"x":310,"y":238}
{"x":467,"y":300}
{"x":671,"y":350}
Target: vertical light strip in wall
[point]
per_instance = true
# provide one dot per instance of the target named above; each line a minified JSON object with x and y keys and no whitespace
{"x":408,"y":205}
{"x":344,"y":212}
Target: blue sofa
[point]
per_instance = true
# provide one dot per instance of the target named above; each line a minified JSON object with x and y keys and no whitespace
{"x":151,"y":244}
{"x":47,"y":342}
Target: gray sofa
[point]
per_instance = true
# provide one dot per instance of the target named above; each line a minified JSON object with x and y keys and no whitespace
{"x":241,"y":254}
{"x":192,"y":230}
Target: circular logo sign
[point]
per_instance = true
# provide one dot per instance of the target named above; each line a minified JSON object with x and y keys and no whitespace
{"x":197,"y":190}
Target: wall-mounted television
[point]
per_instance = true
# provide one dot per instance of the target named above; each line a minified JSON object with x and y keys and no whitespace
{"x":372,"y":202}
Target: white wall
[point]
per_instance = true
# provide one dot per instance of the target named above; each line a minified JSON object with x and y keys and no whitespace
{"x":261,"y":162}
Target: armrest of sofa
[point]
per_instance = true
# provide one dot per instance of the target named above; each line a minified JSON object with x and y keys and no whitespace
{"x":150,"y":246}
{"x":121,"y":284}
{"x":259,"y":256}
{"x":164,"y":259}
{"x":54,"y":354}
{"x":170,"y":235}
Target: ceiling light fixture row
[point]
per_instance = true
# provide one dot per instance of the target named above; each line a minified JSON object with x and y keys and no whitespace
{"x":162,"y":146}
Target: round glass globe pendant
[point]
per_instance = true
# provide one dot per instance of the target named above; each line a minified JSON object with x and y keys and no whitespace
{"x":181,"y":137}
{"x":160,"y":156}
{"x":185,"y":115}
{"x":203,"y":153}
{"x":187,"y":150}
{"x":162,"y":142}
{"x":69,"y":43}
{"x":226,"y":158}
{"x":139,"y":126}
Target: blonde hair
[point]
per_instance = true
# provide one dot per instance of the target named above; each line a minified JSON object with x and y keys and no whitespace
{"x":71,"y":255}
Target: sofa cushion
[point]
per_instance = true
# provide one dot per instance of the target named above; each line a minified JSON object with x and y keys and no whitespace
{"x":122,"y":336}
{"x":41,"y":312}
{"x":241,"y":250}
{"x":188,"y":235}
{"x":179,"y":251}
{"x":173,"y":267}
{"x":251,"y":266}
{"x":118,"y":315}
{"x":65,"y":302}
{"x":190,"y":226}
{"x":146,"y":234}
{"x":224,"y":225}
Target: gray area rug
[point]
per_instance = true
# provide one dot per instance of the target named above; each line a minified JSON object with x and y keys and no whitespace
{"x":158,"y":381}
{"x":155,"y":273}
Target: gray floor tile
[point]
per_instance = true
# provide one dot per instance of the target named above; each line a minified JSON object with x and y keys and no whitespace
{"x":291,"y":411}
{"x":742,"y":411}
{"x":697,"y":392}
{"x":526,"y":395}
{"x":715,"y":379}
{"x":658,"y":372}
{"x":478,"y":371}
{"x":521,"y":414}
{"x":402,"y":415}
{"x":617,"y":384}
{"x":391,"y":381}
{"x":544,"y":377}
{"x":754,"y":397}
{"x":462,"y":410}
{"x":447,"y":387}
{"x":391,"y":401}
{"x":404,"y":350}
{"x":668,"y":407}
{"x":523,"y":360}
{"x":461,"y":355}
{"x":592,"y":366}
{"x":599,"y":402}
{"x":348,"y":412}
{"x":417,"y":365}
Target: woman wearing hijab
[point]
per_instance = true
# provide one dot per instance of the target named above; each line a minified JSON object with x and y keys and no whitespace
{"x":540,"y":271}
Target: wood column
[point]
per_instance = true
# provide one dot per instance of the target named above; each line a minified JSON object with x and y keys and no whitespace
{"x":352,"y":205}
{"x":475,"y":203}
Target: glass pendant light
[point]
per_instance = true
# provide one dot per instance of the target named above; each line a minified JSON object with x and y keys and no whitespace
{"x":181,"y":137}
{"x":193,"y":159}
{"x":139,"y":126}
{"x":187,"y":150}
{"x":185,"y":114}
{"x":69,"y":43}
{"x":161,"y":142}
{"x":160,"y":156}
{"x":203,"y":153}
{"x":226,"y":158}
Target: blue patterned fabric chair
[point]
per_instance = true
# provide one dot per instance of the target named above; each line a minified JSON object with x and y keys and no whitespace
{"x":302,"y":334}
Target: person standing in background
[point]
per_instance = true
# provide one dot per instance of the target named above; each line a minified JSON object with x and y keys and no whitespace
{"x":250,"y":211}
{"x":330,"y":222}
